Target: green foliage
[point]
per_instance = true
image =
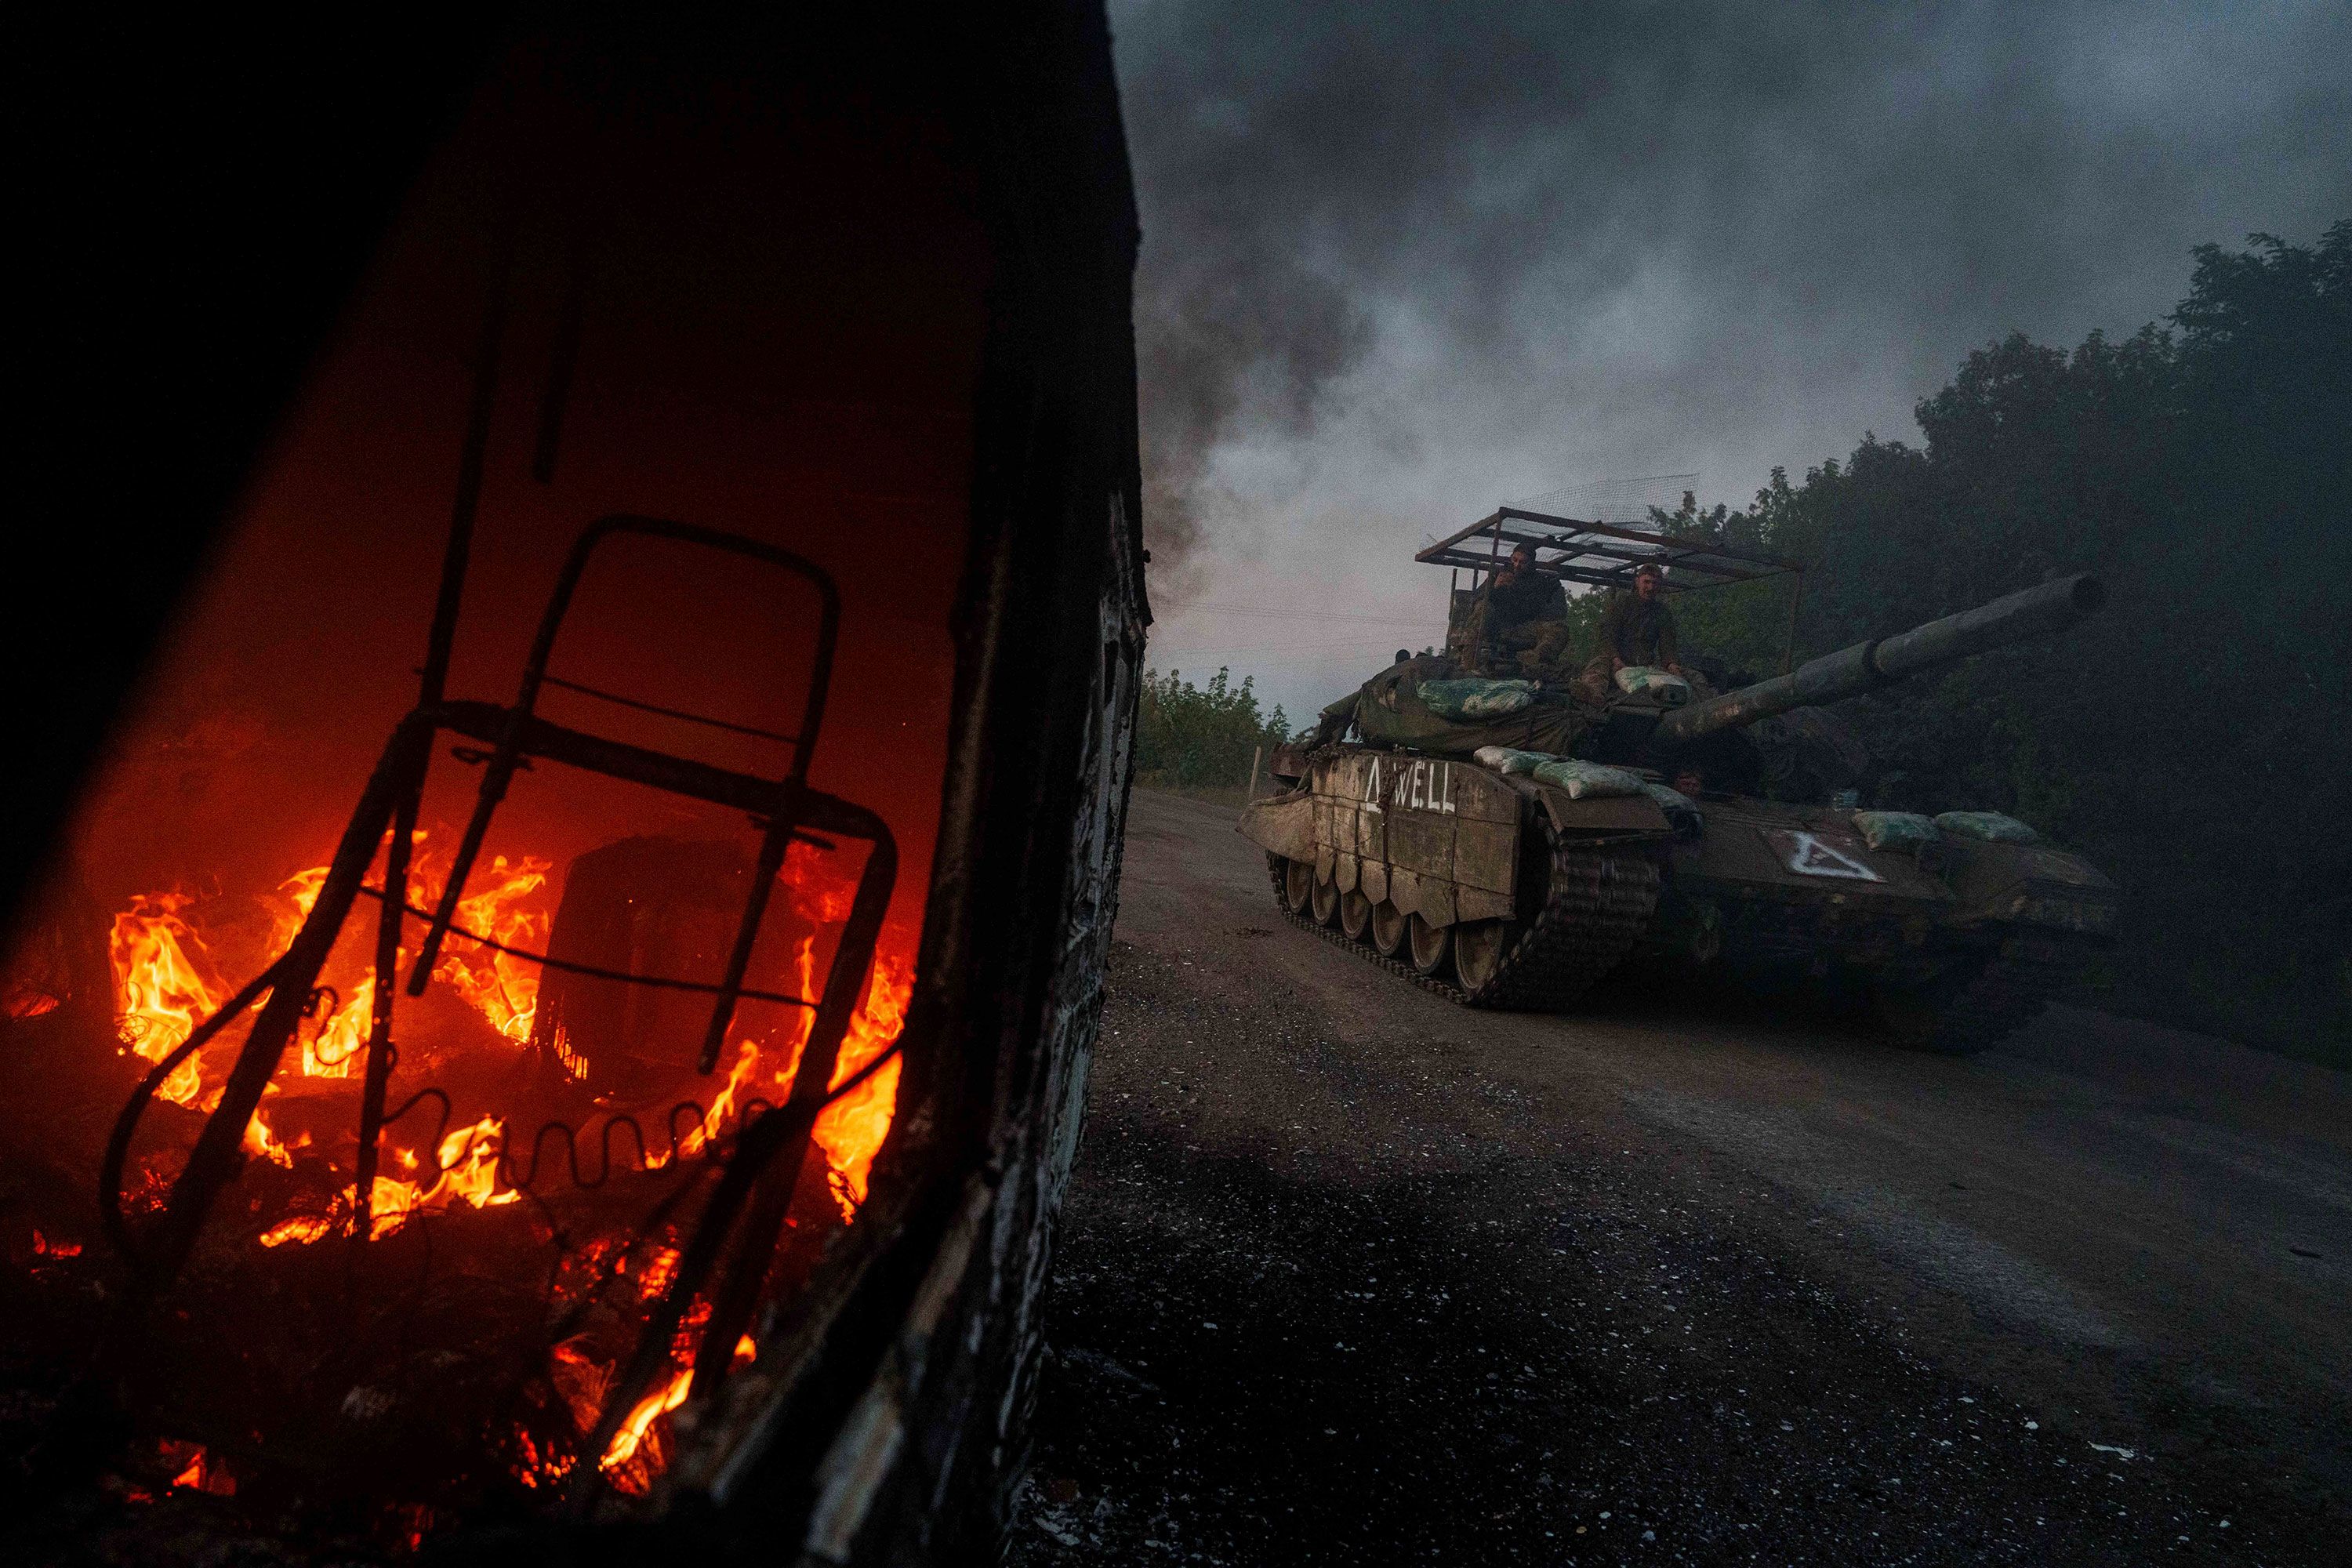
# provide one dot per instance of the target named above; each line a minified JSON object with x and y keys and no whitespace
{"x":1193,"y":737}
{"x":2195,"y":739}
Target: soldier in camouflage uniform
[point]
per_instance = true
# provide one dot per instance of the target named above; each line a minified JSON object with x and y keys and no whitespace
{"x":1520,"y":621}
{"x":1637,"y":630}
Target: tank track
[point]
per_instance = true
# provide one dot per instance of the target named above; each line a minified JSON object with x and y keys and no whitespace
{"x":2021,"y":978}
{"x":1598,"y":908}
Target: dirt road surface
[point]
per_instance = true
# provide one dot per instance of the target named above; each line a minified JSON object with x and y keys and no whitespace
{"x":1349,"y":1273}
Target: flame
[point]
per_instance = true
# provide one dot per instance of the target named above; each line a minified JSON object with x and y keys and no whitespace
{"x":503,"y":988}
{"x":635,"y":1428}
{"x":199,"y":1471}
{"x":852,"y":1128}
{"x":470,"y":1175}
{"x":302,"y":1230}
{"x":262,"y":1145}
{"x":332,"y":1050}
{"x":850,"y":1131}
{"x":165,"y":990}
{"x":162,"y":993}
{"x":747,"y":1063}
{"x":631,"y":1436}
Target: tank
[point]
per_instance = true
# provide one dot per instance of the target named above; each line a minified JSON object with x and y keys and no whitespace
{"x":1500,"y":889}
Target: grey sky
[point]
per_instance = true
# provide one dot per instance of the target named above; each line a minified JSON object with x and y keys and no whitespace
{"x":1401,"y":262}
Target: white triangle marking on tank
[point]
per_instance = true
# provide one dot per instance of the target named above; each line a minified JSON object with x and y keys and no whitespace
{"x":1812,"y":858}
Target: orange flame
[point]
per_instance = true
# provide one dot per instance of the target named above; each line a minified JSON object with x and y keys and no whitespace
{"x":302,"y":1230}
{"x":165,"y":993}
{"x":503,"y":988}
{"x":199,"y":1471}
{"x":634,"y":1432}
{"x":162,"y":993}
{"x":852,"y":1128}
{"x":747,"y":1062}
{"x":469,"y":1174}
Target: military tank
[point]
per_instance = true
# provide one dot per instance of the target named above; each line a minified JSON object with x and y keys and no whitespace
{"x":1424,"y":841}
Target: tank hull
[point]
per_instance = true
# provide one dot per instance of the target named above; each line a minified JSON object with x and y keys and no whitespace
{"x":1510,"y":894}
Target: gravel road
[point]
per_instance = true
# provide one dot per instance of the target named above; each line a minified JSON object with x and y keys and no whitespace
{"x":1349,"y":1273}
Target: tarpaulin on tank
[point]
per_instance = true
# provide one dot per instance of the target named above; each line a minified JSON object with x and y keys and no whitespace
{"x":1389,"y":712}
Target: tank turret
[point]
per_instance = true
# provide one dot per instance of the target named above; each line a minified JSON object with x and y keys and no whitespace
{"x":1867,"y":665}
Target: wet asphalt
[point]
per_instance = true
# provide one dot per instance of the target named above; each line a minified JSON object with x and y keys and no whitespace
{"x":1348,"y":1274}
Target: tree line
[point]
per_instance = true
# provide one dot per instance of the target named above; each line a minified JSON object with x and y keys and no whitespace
{"x":1192,"y":737}
{"x":2195,"y":738}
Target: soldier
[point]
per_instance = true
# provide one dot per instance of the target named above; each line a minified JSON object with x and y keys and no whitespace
{"x":1519,"y":610}
{"x":1637,"y":630}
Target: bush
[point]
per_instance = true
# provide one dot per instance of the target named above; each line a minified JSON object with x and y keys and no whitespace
{"x":1189,"y":737}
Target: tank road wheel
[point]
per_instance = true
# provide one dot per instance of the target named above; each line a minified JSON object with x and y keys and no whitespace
{"x":1297,"y":885}
{"x":1582,"y":911}
{"x":1389,"y":925}
{"x":1479,"y":947}
{"x":1327,"y":903}
{"x":1432,"y":945}
{"x":1355,"y":914}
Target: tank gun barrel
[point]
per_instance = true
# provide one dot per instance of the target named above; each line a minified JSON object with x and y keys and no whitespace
{"x":1866,"y":666}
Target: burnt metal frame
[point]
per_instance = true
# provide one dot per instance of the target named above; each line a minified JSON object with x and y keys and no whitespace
{"x":1622,"y":552}
{"x":770,"y":1152}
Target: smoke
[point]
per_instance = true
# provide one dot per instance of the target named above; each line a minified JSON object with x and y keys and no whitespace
{"x":1401,"y":261}
{"x":1243,"y":334}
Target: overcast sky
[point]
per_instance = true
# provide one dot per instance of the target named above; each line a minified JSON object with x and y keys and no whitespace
{"x":1403,"y":262}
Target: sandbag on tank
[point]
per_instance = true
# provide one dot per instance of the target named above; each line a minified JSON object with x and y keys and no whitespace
{"x":1470,"y":698}
{"x":1510,"y":760}
{"x":1905,"y":832}
{"x":1681,"y":809}
{"x":1992,"y":826}
{"x":1587,"y":781}
{"x":1662,"y":686}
